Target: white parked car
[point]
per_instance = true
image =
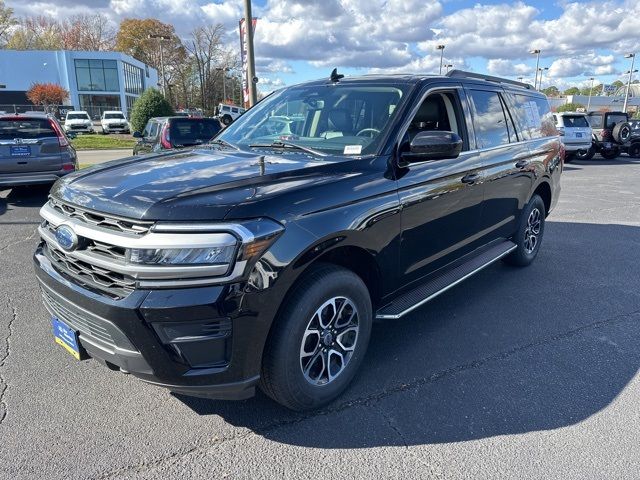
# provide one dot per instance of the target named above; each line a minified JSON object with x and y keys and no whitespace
{"x":575,"y":134}
{"x":228,"y":113}
{"x":114,"y":121}
{"x":78,"y":121}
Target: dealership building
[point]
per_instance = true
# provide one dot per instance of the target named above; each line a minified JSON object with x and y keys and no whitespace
{"x":96,"y":81}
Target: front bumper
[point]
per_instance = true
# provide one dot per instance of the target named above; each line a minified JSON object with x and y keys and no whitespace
{"x":194,"y":341}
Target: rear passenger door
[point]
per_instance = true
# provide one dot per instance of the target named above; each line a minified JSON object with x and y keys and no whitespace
{"x":505,"y":159}
{"x":149,"y":138}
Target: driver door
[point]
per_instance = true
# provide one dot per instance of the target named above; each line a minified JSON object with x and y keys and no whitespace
{"x":441,"y":199}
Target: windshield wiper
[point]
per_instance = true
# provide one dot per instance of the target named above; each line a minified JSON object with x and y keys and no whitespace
{"x":284,"y":145}
{"x":224,"y":143}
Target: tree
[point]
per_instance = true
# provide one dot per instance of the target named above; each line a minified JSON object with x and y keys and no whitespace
{"x":597,"y":89}
{"x":7,"y":21}
{"x":569,"y":107}
{"x":88,"y":32}
{"x":551,"y":91}
{"x":37,"y":33}
{"x":133,"y":39}
{"x":47,"y":95}
{"x":572,"y":91}
{"x":150,"y":104}
{"x":618,"y":84}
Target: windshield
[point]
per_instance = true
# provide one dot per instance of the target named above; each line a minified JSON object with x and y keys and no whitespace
{"x":119,"y":116}
{"x":344,"y":119}
{"x":77,"y":116}
{"x":595,"y":120}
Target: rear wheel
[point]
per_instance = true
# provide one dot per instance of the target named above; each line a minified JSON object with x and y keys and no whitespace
{"x":634,"y":150}
{"x":529,"y":235}
{"x":226,"y":120}
{"x":319,"y":339}
{"x":610,"y":154}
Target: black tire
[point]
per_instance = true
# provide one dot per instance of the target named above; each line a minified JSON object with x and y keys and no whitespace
{"x":634,"y":150}
{"x":587,"y":155}
{"x":523,"y":255}
{"x":569,"y":157}
{"x":227,"y":120}
{"x":282,"y":376}
{"x":610,"y":154}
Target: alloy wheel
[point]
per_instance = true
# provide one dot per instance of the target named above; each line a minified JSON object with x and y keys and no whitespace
{"x":532,"y":231}
{"x":329,"y":341}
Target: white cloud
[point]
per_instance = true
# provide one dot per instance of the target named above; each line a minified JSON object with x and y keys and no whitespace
{"x":507,"y":68}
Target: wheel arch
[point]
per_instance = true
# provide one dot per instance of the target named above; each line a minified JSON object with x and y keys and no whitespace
{"x":543,"y":189}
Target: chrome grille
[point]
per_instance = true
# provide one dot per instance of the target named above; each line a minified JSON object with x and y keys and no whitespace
{"x":103,"y":279}
{"x":83,"y":323}
{"x":109,"y":222}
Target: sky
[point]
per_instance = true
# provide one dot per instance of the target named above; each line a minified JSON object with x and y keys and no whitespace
{"x":298,"y":40}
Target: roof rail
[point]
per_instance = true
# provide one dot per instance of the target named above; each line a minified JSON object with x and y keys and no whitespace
{"x":488,"y":78}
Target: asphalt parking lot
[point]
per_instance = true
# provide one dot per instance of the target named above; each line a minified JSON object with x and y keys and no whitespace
{"x":516,"y":373}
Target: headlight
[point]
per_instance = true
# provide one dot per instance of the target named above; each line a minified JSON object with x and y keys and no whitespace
{"x":182,"y":256}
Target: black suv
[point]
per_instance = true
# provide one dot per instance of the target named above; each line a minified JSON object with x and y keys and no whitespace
{"x":263,"y":257}
{"x":613,"y":134}
{"x":164,"y":133}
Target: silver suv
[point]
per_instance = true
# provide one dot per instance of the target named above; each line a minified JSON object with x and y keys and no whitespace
{"x":575,"y":134}
{"x":33,"y":150}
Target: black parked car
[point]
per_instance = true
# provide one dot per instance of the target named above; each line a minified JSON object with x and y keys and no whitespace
{"x":34,"y":150}
{"x":263,"y":257}
{"x":163,"y":133}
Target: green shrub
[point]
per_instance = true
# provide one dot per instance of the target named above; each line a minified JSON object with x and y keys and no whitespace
{"x":569,"y":107}
{"x":150,"y":104}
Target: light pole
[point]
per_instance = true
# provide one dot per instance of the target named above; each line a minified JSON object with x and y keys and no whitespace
{"x":224,"y":71}
{"x":537,"y":53}
{"x":590,"y":93}
{"x":441,"y":48}
{"x":448,"y":66}
{"x":632,"y":56}
{"x":251,"y":65}
{"x":160,"y":39}
{"x":541,"y":69}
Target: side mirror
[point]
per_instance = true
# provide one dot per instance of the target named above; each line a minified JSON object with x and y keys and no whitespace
{"x":137,"y":135}
{"x":433,"y":145}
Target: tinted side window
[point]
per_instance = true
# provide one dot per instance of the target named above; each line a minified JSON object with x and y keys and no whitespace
{"x":595,"y":120}
{"x":488,"y":119}
{"x":534,"y":116}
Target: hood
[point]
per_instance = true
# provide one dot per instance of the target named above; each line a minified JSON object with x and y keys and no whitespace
{"x":201,"y":184}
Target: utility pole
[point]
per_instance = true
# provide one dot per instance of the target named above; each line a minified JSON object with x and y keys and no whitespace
{"x":441,"y":48}
{"x":541,"y":69}
{"x":251,"y":65}
{"x":160,"y":39}
{"x":590,"y":93}
{"x":537,"y":53}
{"x":632,"y":56}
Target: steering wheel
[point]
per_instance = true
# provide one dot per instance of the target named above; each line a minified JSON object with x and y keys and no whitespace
{"x":367,"y":130}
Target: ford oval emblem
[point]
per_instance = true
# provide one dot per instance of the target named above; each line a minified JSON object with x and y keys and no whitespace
{"x":66,"y":238}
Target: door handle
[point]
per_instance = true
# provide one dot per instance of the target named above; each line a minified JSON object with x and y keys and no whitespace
{"x":523,"y":163}
{"x":471,"y":178}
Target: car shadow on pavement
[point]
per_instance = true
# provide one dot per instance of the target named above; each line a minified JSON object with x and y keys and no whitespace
{"x":599,"y":161}
{"x":32,"y":196}
{"x":509,"y":351}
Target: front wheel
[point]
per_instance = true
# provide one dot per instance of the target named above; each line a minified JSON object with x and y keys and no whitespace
{"x":319,"y":339}
{"x":529,"y":234}
{"x":585,"y":154}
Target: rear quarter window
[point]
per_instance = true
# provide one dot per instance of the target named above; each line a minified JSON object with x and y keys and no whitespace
{"x":533,"y":116}
{"x":26,"y":128}
{"x":595,"y":121}
{"x":191,"y":131}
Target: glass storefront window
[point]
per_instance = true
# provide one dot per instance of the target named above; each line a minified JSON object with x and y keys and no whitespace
{"x":94,"y":104}
{"x":97,"y":75}
{"x":133,"y":82}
